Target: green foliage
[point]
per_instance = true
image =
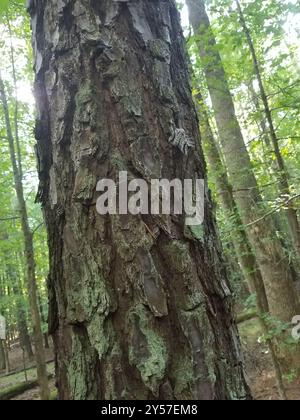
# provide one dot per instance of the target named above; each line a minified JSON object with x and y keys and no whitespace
{"x":274,"y":27}
{"x":15,"y":48}
{"x":250,"y":302}
{"x":4,"y":5}
{"x":291,"y":376}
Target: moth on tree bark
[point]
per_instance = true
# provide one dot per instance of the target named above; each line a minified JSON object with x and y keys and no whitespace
{"x":133,"y":315}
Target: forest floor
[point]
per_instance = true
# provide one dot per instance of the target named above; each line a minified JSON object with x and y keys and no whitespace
{"x":260,"y":374}
{"x":9,"y":383}
{"x":259,"y":369}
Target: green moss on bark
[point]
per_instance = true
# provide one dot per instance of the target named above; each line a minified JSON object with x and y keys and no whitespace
{"x":151,"y":358}
{"x":81,"y":371}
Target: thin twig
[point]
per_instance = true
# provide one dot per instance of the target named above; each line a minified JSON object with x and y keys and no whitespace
{"x":37,"y":228}
{"x":9,"y":218}
{"x":274,"y":210}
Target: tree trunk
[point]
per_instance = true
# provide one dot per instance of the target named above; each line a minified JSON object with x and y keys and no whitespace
{"x":12,"y":278}
{"x":29,"y":255}
{"x":240,"y":241}
{"x":2,"y":356}
{"x":6,"y":356}
{"x":23,"y":330}
{"x":20,"y":311}
{"x":284,"y":186}
{"x":280,"y":221}
{"x":239,"y":238}
{"x":139,"y":307}
{"x":44,"y":321}
{"x":272,"y":261}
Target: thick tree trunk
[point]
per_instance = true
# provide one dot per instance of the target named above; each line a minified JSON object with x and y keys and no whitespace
{"x":139,"y":307}
{"x":272,"y":261}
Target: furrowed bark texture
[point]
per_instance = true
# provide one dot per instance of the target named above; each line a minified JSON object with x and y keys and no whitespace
{"x":139,"y":306}
{"x":270,"y":256}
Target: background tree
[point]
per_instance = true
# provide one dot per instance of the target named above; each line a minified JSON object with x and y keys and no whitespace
{"x":12,"y":135}
{"x":270,"y":256}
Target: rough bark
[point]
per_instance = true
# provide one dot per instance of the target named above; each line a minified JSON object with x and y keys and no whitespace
{"x":272,"y":261}
{"x":29,"y":254}
{"x":139,"y":307}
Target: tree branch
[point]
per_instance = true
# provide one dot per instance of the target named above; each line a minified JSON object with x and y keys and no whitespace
{"x":37,"y":228}
{"x":274,"y":210}
{"x":9,"y":218}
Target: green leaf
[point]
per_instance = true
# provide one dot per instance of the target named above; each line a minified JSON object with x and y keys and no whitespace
{"x":3,"y":5}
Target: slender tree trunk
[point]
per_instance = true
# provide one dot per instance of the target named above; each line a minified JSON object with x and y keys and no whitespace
{"x":235,"y":273}
{"x":23,"y":331}
{"x":284,"y":187}
{"x":280,"y":221}
{"x":16,"y":107}
{"x":239,"y":237}
{"x":240,"y":241}
{"x":139,"y":307}
{"x":271,"y":258}
{"x":262,"y":123}
{"x":6,"y":356}
{"x":44,"y":321}
{"x":12,"y":278}
{"x":2,"y":356}
{"x":29,"y":256}
{"x":24,"y":336}
{"x":20,"y":312}
{"x":22,"y":325}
